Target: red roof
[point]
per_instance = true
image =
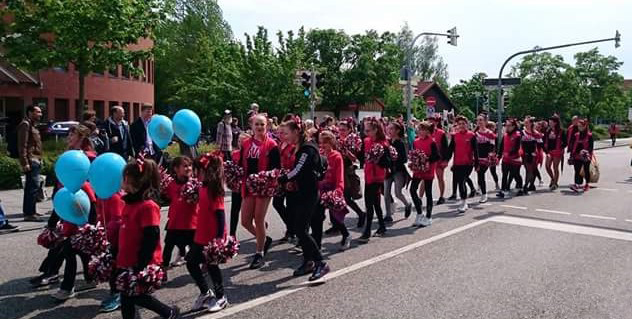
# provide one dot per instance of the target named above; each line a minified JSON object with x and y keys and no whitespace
{"x":424,"y":86}
{"x":627,"y":85}
{"x":10,"y":74}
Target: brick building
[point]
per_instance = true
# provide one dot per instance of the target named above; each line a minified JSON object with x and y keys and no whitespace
{"x":57,"y":90}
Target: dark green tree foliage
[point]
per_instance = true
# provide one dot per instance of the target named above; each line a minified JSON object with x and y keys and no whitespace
{"x":465,"y":94}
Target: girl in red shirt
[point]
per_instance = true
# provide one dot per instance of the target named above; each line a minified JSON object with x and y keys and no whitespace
{"x":581,"y":155}
{"x":531,"y":144}
{"x":425,"y":143}
{"x":211,"y":225}
{"x":554,"y":143}
{"x":287,"y":162}
{"x":235,"y":194}
{"x":509,"y":151}
{"x":139,"y":236}
{"x":441,"y":140}
{"x":485,"y":152}
{"x":462,"y":146}
{"x":374,"y":175}
{"x":353,"y":187}
{"x":109,"y":212}
{"x":182,"y":214}
{"x":333,"y":181}
{"x":259,"y":153}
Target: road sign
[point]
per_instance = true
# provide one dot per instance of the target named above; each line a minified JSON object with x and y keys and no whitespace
{"x":431,"y":101}
{"x":505,"y":82}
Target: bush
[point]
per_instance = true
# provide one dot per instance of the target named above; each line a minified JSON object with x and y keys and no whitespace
{"x":10,"y":173}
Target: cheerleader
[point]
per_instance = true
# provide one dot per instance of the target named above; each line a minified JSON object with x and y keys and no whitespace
{"x":235,"y":194}
{"x":139,"y":235}
{"x":555,"y":142}
{"x":398,"y":173}
{"x":531,"y":142}
{"x":109,"y":212}
{"x":302,"y":199}
{"x":509,"y":151}
{"x":352,"y":180}
{"x":287,"y":162}
{"x":374,"y":175}
{"x":211,"y":225}
{"x":78,"y":139}
{"x":259,"y":153}
{"x":182,"y":213}
{"x":333,"y":181}
{"x":441,"y":140}
{"x":485,"y":152}
{"x":462,"y":146}
{"x":581,"y":155}
{"x":426,"y":144}
{"x":492,"y":127}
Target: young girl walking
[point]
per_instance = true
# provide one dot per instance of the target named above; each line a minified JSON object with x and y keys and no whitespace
{"x":424,"y":175}
{"x":554,"y":144}
{"x":353,"y":191}
{"x":398,"y":174}
{"x":485,"y":152}
{"x":462,"y":146}
{"x":509,"y":151}
{"x":441,"y":140}
{"x":531,"y":143}
{"x":211,"y":225}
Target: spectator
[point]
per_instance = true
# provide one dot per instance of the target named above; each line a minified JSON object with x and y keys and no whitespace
{"x":141,"y":141}
{"x":90,"y":115}
{"x":254,"y":110}
{"x":224,"y":137}
{"x":236,"y":130}
{"x":5,"y":227}
{"x":118,"y":132}
{"x":30,"y":155}
{"x":614,"y":131}
{"x":100,"y":142}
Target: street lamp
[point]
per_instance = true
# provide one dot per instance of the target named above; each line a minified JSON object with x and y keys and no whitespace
{"x":616,"y":39}
{"x":452,"y":37}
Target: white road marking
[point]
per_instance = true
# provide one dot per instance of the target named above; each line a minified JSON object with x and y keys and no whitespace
{"x":567,"y":228}
{"x":282,"y":293}
{"x":607,"y":189}
{"x":485,"y":204}
{"x":552,"y":211}
{"x":597,"y":217}
{"x":514,"y":207}
{"x":629,"y":220}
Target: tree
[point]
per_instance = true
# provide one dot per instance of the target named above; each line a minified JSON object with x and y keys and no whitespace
{"x":93,"y":35}
{"x":427,"y":64}
{"x":466,"y":93}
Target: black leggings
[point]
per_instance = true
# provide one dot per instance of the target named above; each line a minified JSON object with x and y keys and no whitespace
{"x":352,"y":204}
{"x":511,"y":172}
{"x":176,"y":237}
{"x":316,"y":224}
{"x":480,"y":174}
{"x":302,"y":207}
{"x":129,"y":303}
{"x":455,"y":183}
{"x":372,"y":202}
{"x":235,"y":208}
{"x":578,"y":167}
{"x":278,"y":203}
{"x":414,"y":193}
{"x":195,"y":258}
{"x":70,"y":271}
{"x":492,"y":169}
{"x":461,"y":176}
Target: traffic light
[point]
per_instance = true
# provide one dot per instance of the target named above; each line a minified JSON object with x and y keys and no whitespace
{"x":452,"y":36}
{"x":617,"y":39}
{"x":306,"y":82}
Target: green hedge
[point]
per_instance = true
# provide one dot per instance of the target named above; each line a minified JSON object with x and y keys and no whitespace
{"x":10,"y":172}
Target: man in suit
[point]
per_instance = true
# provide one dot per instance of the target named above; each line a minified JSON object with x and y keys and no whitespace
{"x":141,"y":141}
{"x":118,"y":132}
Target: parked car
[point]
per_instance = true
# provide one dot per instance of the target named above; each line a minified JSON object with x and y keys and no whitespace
{"x":61,"y":128}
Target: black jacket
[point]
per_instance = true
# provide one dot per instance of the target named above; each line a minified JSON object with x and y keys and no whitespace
{"x":138,"y":132}
{"x":124,"y":149}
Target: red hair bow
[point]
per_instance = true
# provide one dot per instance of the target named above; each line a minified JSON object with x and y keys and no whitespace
{"x":206,"y":158}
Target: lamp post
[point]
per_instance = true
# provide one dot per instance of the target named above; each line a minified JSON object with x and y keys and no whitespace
{"x":616,"y":39}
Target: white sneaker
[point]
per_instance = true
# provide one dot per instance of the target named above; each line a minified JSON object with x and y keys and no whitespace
{"x":216,"y":305}
{"x":63,"y":295}
{"x":483,"y":199}
{"x":426,"y":222}
{"x":178,"y":262}
{"x":418,"y":220}
{"x":497,"y":187}
{"x":463,"y":207}
{"x":201,"y":300}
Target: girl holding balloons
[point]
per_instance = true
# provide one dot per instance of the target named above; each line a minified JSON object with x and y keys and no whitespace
{"x":259,"y":153}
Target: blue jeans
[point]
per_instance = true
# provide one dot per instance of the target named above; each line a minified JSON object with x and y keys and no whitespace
{"x":2,"y":218}
{"x":31,"y":187}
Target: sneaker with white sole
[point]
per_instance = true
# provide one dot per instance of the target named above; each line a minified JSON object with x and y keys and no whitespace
{"x":179,"y":262}
{"x":483,"y":199}
{"x":63,"y":295}
{"x":464,"y":207}
{"x":201,"y":300}
{"x":418,"y":220}
{"x":426,"y":222}
{"x":216,"y":305}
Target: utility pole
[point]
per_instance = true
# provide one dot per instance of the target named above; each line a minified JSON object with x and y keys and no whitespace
{"x":312,"y":96}
{"x":616,"y":39}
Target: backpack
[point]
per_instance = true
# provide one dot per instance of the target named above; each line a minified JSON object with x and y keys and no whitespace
{"x":321,"y":165}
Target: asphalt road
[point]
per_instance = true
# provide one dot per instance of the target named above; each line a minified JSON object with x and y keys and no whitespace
{"x":548,"y":255}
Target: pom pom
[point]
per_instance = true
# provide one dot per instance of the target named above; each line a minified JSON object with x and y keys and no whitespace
{"x":190,"y":190}
{"x":49,"y":238}
{"x":90,"y":240}
{"x":493,"y":159}
{"x":265,"y":183}
{"x":220,"y":251}
{"x":584,"y":155}
{"x":333,"y":200}
{"x":233,"y":175}
{"x":418,"y":161}
{"x":102,"y":266}
{"x":165,"y":179}
{"x":375,"y":153}
{"x":146,"y":281}
{"x":393,"y":152}
{"x":352,"y":144}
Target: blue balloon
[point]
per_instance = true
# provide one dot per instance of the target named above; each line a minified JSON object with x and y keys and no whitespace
{"x":106,"y":174}
{"x":187,"y":126}
{"x":160,"y":130}
{"x":72,"y":169}
{"x":72,"y":207}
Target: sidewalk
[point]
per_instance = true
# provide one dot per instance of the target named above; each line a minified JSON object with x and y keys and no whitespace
{"x":601,"y":144}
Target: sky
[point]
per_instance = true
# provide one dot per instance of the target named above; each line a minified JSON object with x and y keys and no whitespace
{"x":490,"y":31}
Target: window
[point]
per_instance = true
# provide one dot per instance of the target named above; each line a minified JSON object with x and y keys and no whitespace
{"x":111,"y":105}
{"x":126,"y":108}
{"x":43,"y":104}
{"x":79,"y":110}
{"x":61,"y":68}
{"x":99,"y":108}
{"x":61,"y":110}
{"x":145,"y":75}
{"x":124,"y":72}
{"x":114,"y":71}
{"x":136,"y":107}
